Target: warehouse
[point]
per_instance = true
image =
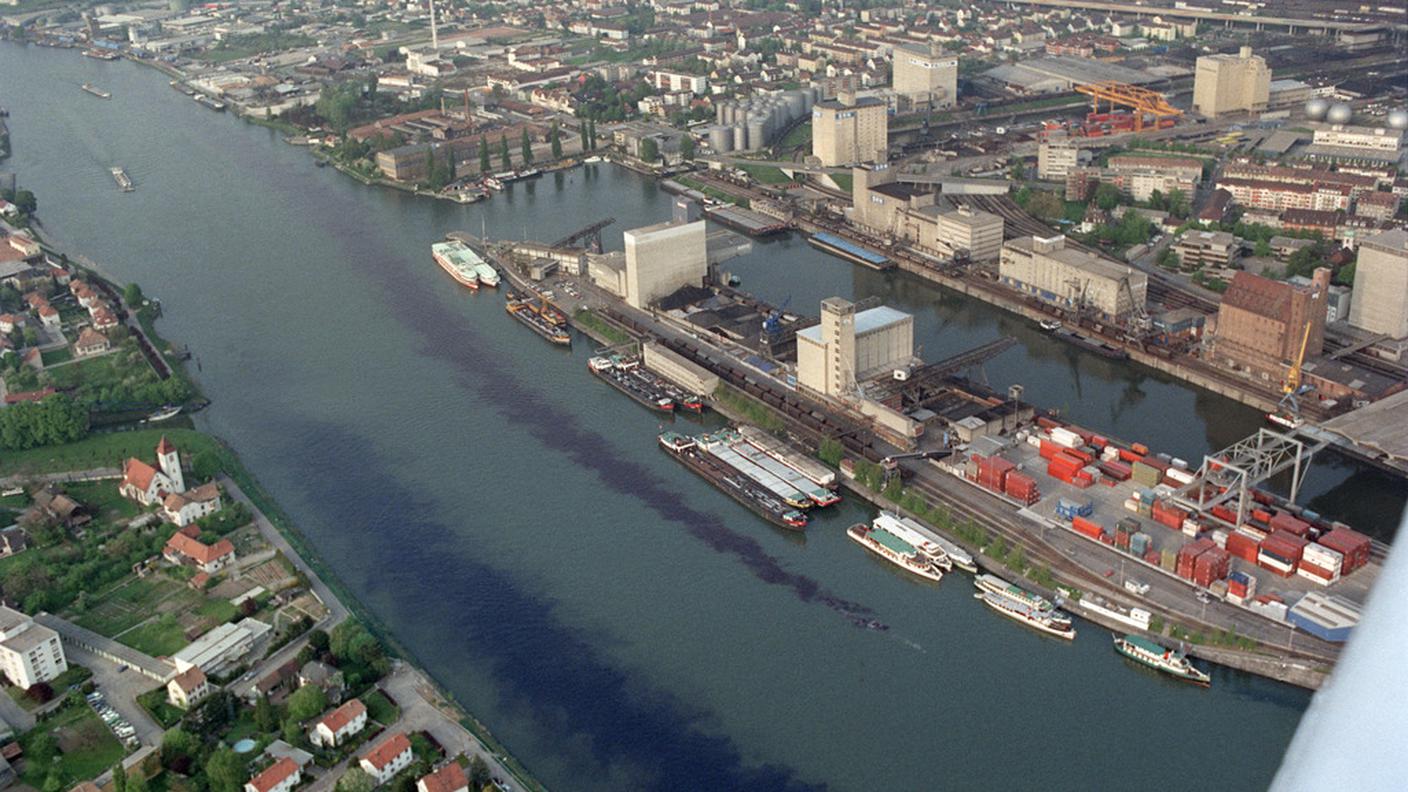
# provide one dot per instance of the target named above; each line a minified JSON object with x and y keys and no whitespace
{"x":1062,"y":73}
{"x":1324,"y":616}
{"x":850,"y":346}
{"x":934,"y":222}
{"x":1061,"y":275}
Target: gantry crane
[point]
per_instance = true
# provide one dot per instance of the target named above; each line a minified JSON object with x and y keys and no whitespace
{"x":1292,"y":389}
{"x":1141,"y":100}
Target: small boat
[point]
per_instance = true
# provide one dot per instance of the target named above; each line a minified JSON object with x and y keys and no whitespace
{"x":96,"y":91}
{"x":1049,"y":325}
{"x":1286,"y":419}
{"x":124,"y":182}
{"x":592,"y":159}
{"x":1160,"y":658}
{"x":163,"y":414}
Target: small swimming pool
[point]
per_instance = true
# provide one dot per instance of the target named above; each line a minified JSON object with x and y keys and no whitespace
{"x":244,"y":746}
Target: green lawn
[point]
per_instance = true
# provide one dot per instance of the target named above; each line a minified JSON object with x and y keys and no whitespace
{"x":217,"y":610}
{"x":85,"y":747}
{"x":102,"y":500}
{"x":800,"y":135}
{"x":161,"y":637}
{"x":766,"y":174}
{"x":380,"y":708}
{"x":103,"y":450}
{"x":126,"y":604}
{"x":156,"y":705}
{"x":53,"y":357}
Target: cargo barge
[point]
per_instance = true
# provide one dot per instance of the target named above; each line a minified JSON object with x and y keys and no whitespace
{"x":733,"y":483}
{"x":850,"y":251}
{"x":124,"y":182}
{"x":539,"y":318}
{"x":214,"y":104}
{"x":1090,"y":344}
{"x":880,"y":541}
{"x":813,"y":470}
{"x":621,"y":375}
{"x":792,"y":487}
{"x":1175,"y":664}
{"x":95,"y":90}
{"x":749,"y":222}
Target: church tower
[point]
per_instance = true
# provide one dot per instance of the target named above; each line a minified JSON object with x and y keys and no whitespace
{"x":170,"y":462}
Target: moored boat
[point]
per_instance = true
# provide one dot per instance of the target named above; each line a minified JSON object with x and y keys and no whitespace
{"x":1089,"y":344}
{"x":916,"y":535}
{"x":734,"y":484}
{"x":535,"y":317}
{"x":640,"y":389}
{"x":1134,"y":617}
{"x":992,"y":584}
{"x":96,"y":91}
{"x":459,"y":261}
{"x":894,"y":549}
{"x":488,"y":276}
{"x":1160,"y":658}
{"x":1285,"y":419}
{"x":1050,"y":622}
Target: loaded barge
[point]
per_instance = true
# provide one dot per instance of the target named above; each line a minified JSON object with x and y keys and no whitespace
{"x":784,"y":481}
{"x":95,"y":90}
{"x":541,"y":318}
{"x":1090,"y":344}
{"x":622,"y":374}
{"x":850,"y":251}
{"x":124,"y":182}
{"x":733,"y":483}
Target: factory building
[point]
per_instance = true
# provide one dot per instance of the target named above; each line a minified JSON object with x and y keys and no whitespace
{"x":904,"y":212}
{"x":850,"y":130}
{"x":1380,"y":300}
{"x":1225,"y":84}
{"x":662,"y":258}
{"x":1060,"y":275}
{"x":1261,"y":323}
{"x":926,"y":76}
{"x":1380,"y":141}
{"x":850,"y":347}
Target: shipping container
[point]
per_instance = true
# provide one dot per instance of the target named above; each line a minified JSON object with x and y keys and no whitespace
{"x":1323,"y":558}
{"x":1284,"y":521}
{"x":1127,"y":455}
{"x":1139,"y":448}
{"x":1353,"y":545}
{"x":1087,"y":528}
{"x":1188,"y":555}
{"x":1152,"y":557}
{"x":1065,"y":437}
{"x":1242,"y":546}
{"x":1144,"y":473}
{"x":1168,"y":560}
{"x":1270,"y":562}
{"x":1115,"y":470}
{"x":1083,"y":456}
{"x":1210,"y":565}
{"x":1049,"y":449}
{"x":1316,"y":574}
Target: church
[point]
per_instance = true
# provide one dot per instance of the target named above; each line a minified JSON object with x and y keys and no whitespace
{"x":148,"y":485}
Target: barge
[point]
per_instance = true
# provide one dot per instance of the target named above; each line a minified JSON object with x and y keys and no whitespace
{"x":1090,"y":344}
{"x":642,"y":391}
{"x":95,"y":90}
{"x":733,"y":483}
{"x":539,"y":318}
{"x":732,"y":450}
{"x":850,"y":251}
{"x":124,"y":182}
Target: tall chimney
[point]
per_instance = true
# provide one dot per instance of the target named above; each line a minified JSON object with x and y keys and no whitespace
{"x":434,"y":34}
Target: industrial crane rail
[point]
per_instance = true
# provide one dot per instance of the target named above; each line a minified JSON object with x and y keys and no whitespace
{"x":1141,"y":100}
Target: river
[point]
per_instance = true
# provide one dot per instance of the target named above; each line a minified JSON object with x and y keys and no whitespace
{"x":616,"y":621}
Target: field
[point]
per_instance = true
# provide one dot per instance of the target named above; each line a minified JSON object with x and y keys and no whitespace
{"x":153,"y":614}
{"x":765,"y":174}
{"x":127,"y":604}
{"x":103,"y":450}
{"x":81,"y":747}
{"x":161,"y":637}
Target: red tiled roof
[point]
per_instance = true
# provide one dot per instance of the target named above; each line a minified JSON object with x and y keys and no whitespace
{"x":138,"y":473}
{"x":388,"y":749}
{"x":164,"y":447}
{"x":274,"y":775}
{"x":449,"y":778}
{"x":1261,"y":296}
{"x":190,"y":679}
{"x":34,"y":395}
{"x":338,"y":719}
{"x":196,"y":551}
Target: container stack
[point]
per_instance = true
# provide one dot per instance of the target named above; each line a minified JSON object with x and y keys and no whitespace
{"x":1085,"y":527}
{"x":1116,"y":471}
{"x":1069,"y":509}
{"x":1320,"y":564}
{"x":1063,"y":467}
{"x":1021,"y":487}
{"x":1140,"y":544}
{"x":1243,"y":546}
{"x":1285,"y":521}
{"x":1188,"y":556}
{"x":1280,"y":553}
{"x":1353,"y":546}
{"x":992,"y":472}
{"x":1241,"y":587}
{"x":1211,"y":565}
{"x":1166,"y":513}
{"x":1149,"y":472}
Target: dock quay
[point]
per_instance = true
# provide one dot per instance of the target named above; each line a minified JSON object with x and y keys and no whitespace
{"x":745,"y":220}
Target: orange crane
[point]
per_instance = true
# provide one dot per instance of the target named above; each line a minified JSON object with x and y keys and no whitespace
{"x":1142,"y":100}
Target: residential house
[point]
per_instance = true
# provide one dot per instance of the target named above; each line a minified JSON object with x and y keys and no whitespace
{"x":187,"y":688}
{"x":9,"y":323}
{"x":30,"y":653}
{"x":184,"y":508}
{"x":59,"y":507}
{"x":339,"y":725}
{"x":328,"y":679}
{"x":49,"y":317}
{"x":277,"y":683}
{"x":90,"y":342}
{"x":449,"y":778}
{"x":389,"y":757}
{"x":183,"y":548}
{"x":281,"y":776}
{"x":13,"y":540}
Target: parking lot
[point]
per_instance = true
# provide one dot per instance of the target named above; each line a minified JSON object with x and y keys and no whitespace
{"x":117,"y":689}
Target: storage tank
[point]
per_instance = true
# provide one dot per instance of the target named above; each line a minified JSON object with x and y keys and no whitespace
{"x":740,"y":137}
{"x":1398,"y":119}
{"x":757,"y":130}
{"x":719,"y":113}
{"x":1316,"y":108}
{"x":721,"y":139}
{"x":1340,"y":113}
{"x":795,"y":105}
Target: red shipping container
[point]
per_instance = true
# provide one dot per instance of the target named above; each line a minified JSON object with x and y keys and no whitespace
{"x":1129,"y":456}
{"x":1081,"y":483}
{"x":1047,"y":423}
{"x":1099,"y":441}
{"x":1264,"y":498}
{"x":1188,"y":554}
{"x":1063,"y":467}
{"x":1210,"y":565}
{"x":1242,"y":546}
{"x":1225,"y":514}
{"x":1122,"y":540}
{"x":1086,"y":527}
{"x":1261,"y":515}
{"x":1276,"y":571}
{"x":1153,"y":557}
{"x":1115,"y":470}
{"x":1323,"y":574}
{"x":1284,"y":521}
{"x":1351,"y":544}
{"x":1085,"y":458}
{"x":1284,"y":545}
{"x":1166,"y":514}
{"x":1049,"y":449}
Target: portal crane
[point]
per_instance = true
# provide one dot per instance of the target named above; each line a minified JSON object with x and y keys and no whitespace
{"x":1292,"y":389}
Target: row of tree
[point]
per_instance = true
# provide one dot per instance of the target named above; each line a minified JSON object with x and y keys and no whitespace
{"x":56,"y":419}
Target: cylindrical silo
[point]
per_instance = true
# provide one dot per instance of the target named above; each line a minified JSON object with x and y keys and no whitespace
{"x":740,"y":137}
{"x":721,"y":139}
{"x":719,"y":110}
{"x":757,"y":130}
{"x":795,"y":105}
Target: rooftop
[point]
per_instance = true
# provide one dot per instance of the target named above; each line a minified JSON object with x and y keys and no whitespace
{"x":867,"y":321}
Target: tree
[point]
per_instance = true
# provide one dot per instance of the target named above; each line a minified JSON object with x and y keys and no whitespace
{"x":1178,"y":203}
{"x":319,"y":640}
{"x":1046,"y":205}
{"x":555,"y":141}
{"x":137,"y":783}
{"x":132,"y":295}
{"x":40,"y":692}
{"x":306,"y":702}
{"x":224,"y":770}
{"x":356,"y":780}
{"x":649,"y":150}
{"x":177,"y":749}
{"x":1108,"y":196}
{"x":687,"y":147}
{"x":582,"y":130}
{"x":591,"y":134}
{"x":265,"y":718}
{"x":119,"y":777}
{"x":503,"y":152}
{"x":1345,"y":277}
{"x":527,"y":145}
{"x":483,"y":155}
{"x":1262,"y":248}
{"x":54,"y":781}
{"x":478,"y":772}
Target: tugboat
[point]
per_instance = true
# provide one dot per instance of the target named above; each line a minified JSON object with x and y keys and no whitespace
{"x":1049,"y":325}
{"x":1159,"y":658}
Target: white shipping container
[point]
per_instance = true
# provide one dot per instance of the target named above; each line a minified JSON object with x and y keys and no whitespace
{"x":1271,"y":610}
{"x":1065,"y":437}
{"x":1110,"y":454}
{"x":1178,"y":463}
{"x":1132,"y":505}
{"x":1274,"y":563}
{"x":1308,"y":575}
{"x":1252,"y":531}
{"x":1219,"y":538}
{"x":1191,"y":527}
{"x":1323,"y":557}
{"x":1181,"y":476}
{"x":1034,"y":440}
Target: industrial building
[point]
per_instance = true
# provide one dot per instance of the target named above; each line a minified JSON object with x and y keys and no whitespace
{"x":926,"y":77}
{"x":916,"y":216}
{"x":221,"y":647}
{"x":850,"y":130}
{"x":662,"y":258}
{"x":29,"y":653}
{"x":1380,"y":300}
{"x":1261,"y":323}
{"x":850,"y":347}
{"x":1225,"y":84}
{"x":1357,"y":142}
{"x":1057,"y":274}
{"x":1062,"y":73}
{"x":1055,"y":157}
